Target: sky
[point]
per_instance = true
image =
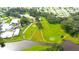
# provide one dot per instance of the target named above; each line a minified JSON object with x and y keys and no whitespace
{"x":39,"y":3}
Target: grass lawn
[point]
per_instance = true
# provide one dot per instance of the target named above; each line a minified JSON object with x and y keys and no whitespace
{"x":27,"y":35}
{"x":38,"y":36}
{"x":72,"y":39}
{"x":37,"y":48}
{"x":8,"y":21}
{"x":51,"y":32}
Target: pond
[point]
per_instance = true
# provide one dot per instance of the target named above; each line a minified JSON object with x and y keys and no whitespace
{"x":69,"y":46}
{"x":22,"y":44}
{"x":17,"y":46}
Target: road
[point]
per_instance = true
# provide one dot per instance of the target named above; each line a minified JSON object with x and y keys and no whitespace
{"x":27,"y":28}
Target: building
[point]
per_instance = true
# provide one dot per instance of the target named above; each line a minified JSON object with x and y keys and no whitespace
{"x":8,"y":30}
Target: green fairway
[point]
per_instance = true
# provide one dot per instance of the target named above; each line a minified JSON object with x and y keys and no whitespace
{"x":38,"y":36}
{"x":51,"y":32}
{"x":27,"y":35}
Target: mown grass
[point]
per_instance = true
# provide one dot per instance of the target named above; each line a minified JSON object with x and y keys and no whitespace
{"x":38,"y":36}
{"x":51,"y":32}
{"x":37,"y":48}
{"x":27,"y":35}
{"x":8,"y":21}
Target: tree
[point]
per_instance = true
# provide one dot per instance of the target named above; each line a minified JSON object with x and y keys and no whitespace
{"x":53,"y":19}
{"x":1,"y":40}
{"x":39,"y":25}
{"x":15,"y":12}
{"x":55,"y":47}
{"x":33,"y":12}
{"x":71,"y":26}
{"x":24,"y":20}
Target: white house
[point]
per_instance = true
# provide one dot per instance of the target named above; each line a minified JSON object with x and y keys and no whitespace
{"x":28,"y":16}
{"x":7,"y":30}
{"x":16,"y":32}
{"x":6,"y":34}
{"x":6,"y":26}
{"x":15,"y":21}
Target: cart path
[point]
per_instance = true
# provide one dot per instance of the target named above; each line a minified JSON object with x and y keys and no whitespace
{"x":27,"y":28}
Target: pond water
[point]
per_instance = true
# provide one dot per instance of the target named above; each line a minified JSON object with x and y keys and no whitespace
{"x":22,"y":44}
{"x":69,"y":46}
{"x":17,"y":46}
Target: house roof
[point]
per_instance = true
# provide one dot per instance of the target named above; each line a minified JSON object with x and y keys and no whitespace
{"x":6,"y":34}
{"x":9,"y":34}
{"x":15,"y":21}
{"x":6,"y":26}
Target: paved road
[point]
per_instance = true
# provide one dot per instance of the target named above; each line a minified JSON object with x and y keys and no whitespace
{"x":27,"y":28}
